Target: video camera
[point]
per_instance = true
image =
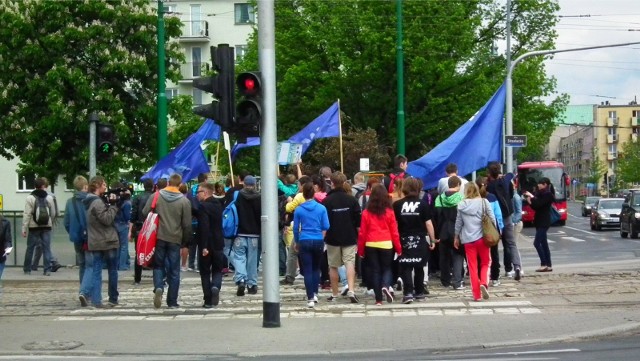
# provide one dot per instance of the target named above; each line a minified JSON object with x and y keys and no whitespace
{"x":119,"y":190}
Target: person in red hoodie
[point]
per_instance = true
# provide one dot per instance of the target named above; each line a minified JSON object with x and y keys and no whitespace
{"x":377,"y":240}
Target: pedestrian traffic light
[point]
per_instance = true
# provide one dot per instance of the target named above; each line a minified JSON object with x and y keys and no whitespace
{"x":222,"y":108}
{"x":105,"y":142}
{"x":249,"y":110}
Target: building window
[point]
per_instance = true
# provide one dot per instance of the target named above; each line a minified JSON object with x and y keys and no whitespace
{"x":196,"y":21}
{"x":612,"y":114}
{"x":635,"y":113}
{"x":196,"y":61}
{"x":170,"y":8}
{"x":241,"y":50}
{"x":244,"y":14}
{"x":26,"y":182}
{"x":197,"y":96}
{"x":613,"y":148}
{"x":171,"y":93}
{"x":612,"y":131}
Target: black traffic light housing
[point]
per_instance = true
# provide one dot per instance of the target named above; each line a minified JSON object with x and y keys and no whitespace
{"x":249,"y":109}
{"x":221,"y":87}
{"x":105,"y":142}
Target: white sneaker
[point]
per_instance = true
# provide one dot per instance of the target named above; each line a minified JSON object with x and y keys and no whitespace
{"x":345,"y":290}
{"x":399,"y":285}
{"x":370,"y":293}
{"x":510,"y":274}
{"x":315,"y":298}
{"x":311,"y":304}
{"x":183,"y":269}
{"x":495,"y":283}
{"x":484,"y":292}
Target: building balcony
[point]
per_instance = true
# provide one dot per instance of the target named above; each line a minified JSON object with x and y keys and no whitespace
{"x":612,"y":156}
{"x":634,"y":122}
{"x":190,"y":71}
{"x":612,"y":138}
{"x":612,"y":122}
{"x":195,"y":32}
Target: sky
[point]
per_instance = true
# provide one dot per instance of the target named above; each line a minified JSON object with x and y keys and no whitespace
{"x":596,"y":76}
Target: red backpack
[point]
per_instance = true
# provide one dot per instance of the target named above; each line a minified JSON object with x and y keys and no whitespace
{"x":392,"y":180}
{"x":148,"y":236}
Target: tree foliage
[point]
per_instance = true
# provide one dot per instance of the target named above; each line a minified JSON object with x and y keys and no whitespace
{"x":629,"y":163}
{"x":597,"y":168}
{"x":328,"y":50}
{"x":60,"y":61}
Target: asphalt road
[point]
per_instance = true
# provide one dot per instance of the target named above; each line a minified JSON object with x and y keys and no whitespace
{"x":576,"y":245}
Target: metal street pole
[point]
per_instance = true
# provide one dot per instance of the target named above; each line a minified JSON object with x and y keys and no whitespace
{"x":509,"y":83}
{"x":508,"y":151}
{"x":162,"y":97}
{"x":93,"y":123}
{"x":400,"y":72}
{"x":268,"y":157}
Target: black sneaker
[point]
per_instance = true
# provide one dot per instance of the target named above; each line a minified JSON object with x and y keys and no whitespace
{"x":241,"y":287}
{"x":518,"y":274}
{"x":407,"y":299}
{"x":207,"y":306}
{"x":353,"y":297}
{"x":253,"y":290}
{"x":55,"y":267}
{"x":286,"y":281}
{"x":419,"y":296}
{"x":215,"y":295}
{"x":332,"y":298}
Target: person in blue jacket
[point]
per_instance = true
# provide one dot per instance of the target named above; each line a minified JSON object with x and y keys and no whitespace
{"x":310,"y":223}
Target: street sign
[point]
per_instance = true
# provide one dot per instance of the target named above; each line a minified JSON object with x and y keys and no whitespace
{"x":515,"y":140}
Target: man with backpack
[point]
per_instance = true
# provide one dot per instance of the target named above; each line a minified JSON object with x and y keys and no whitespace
{"x":37,"y":223}
{"x":245,"y":245}
{"x":75,"y":221}
{"x":137,"y":219}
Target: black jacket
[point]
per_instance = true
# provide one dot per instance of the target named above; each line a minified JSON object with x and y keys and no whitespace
{"x":503,"y":190}
{"x":137,"y":205}
{"x":209,"y":231}
{"x":541,"y":203}
{"x":5,"y":237}
{"x":344,"y":218}
{"x":249,"y":212}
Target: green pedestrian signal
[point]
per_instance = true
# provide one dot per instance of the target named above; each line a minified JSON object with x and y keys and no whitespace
{"x":105,"y":141}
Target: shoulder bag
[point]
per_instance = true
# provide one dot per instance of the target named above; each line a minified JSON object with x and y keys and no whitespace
{"x":490,"y":234}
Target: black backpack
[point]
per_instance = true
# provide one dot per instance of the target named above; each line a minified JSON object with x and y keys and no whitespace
{"x":41,"y":211}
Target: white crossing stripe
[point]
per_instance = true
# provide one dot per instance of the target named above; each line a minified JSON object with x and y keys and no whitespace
{"x":573,"y":239}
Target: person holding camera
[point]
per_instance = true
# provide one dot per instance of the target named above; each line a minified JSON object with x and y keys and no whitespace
{"x":102,"y":243}
{"x":541,"y":203}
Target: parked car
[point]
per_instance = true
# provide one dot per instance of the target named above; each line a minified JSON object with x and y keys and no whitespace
{"x":588,"y":204}
{"x":630,"y":215}
{"x":606,"y":213}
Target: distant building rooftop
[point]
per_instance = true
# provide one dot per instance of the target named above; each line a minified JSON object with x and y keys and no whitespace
{"x":577,"y":114}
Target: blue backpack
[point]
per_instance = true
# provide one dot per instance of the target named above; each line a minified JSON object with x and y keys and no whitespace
{"x":230,"y":218}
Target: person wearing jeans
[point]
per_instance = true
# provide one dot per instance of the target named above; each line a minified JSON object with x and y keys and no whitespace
{"x":468,"y":233}
{"x":245,"y":246}
{"x":102,"y":243}
{"x":310,"y":222}
{"x":38,"y":234}
{"x":174,"y":231}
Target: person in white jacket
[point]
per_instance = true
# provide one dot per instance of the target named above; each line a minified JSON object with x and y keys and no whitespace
{"x":468,"y":232}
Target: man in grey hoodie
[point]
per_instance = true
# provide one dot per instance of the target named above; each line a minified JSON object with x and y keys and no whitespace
{"x":174,"y":231}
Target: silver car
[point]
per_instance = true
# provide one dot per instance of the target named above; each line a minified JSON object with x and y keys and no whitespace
{"x":606,"y":213}
{"x":587,"y":205}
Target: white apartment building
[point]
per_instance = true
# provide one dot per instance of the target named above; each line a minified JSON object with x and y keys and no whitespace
{"x":206,"y":23}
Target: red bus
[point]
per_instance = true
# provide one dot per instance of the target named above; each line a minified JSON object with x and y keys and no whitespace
{"x":529,"y":173}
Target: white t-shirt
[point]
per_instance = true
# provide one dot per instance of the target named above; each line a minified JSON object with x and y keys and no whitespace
{"x":443,"y":185}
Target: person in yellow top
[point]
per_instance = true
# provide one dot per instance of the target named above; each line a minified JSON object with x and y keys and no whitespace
{"x":292,"y":254}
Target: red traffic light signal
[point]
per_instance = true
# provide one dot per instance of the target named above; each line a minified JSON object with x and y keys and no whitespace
{"x":249,"y":84}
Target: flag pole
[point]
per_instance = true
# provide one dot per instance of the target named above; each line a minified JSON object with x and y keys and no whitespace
{"x":340,"y":129}
{"x":215,"y":175}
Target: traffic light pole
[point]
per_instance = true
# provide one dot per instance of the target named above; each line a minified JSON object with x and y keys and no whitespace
{"x":268,"y":160}
{"x":162,"y":96}
{"x":93,"y":124}
{"x":400,"y":70}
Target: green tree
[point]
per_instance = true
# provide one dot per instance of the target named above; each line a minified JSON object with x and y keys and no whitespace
{"x":596,"y":169}
{"x":62,"y":60}
{"x":328,"y":50}
{"x":628,"y":170}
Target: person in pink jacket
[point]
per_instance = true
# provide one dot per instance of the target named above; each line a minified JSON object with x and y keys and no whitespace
{"x":377,"y":240}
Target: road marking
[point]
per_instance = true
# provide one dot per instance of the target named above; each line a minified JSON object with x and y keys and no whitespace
{"x":581,"y":230}
{"x":573,"y":239}
{"x":538,"y":352}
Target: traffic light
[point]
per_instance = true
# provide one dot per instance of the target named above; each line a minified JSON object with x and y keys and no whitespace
{"x":249,"y":110}
{"x":105,"y":142}
{"x":222,"y":108}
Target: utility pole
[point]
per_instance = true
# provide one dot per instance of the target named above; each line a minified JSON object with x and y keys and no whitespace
{"x":400,"y":73}
{"x":93,"y":123}
{"x":162,"y":96}
{"x":268,"y":157}
{"x":509,"y":95}
{"x":508,"y":151}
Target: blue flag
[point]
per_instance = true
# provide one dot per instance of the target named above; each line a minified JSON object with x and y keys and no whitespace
{"x":476,"y":143}
{"x":187,"y":159}
{"x":324,"y":126}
